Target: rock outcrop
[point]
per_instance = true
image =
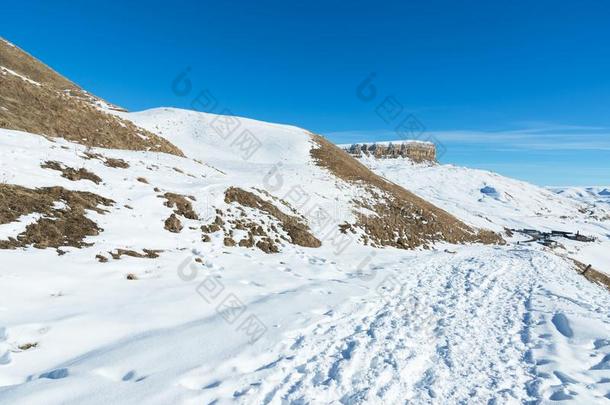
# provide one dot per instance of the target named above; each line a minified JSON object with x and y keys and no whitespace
{"x":393,"y":216}
{"x":417,"y":151}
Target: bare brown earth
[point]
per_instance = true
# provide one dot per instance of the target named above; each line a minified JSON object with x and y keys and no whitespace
{"x":107,"y":161}
{"x":70,"y":173}
{"x":182,"y":206}
{"x":402,"y":219}
{"x":173,"y":224}
{"x":147,"y":253}
{"x":58,"y":227}
{"x":258,"y":235}
{"x":592,"y":275}
{"x":59,"y":108}
{"x":23,"y":63}
{"x":298,"y":231}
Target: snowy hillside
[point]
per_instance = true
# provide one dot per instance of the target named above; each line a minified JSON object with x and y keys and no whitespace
{"x":486,"y":199}
{"x":191,"y":258}
{"x":589,"y":195}
{"x":364,"y":325}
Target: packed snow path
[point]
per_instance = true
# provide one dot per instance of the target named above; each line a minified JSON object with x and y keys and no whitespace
{"x":422,"y":342}
{"x":483,"y":325}
{"x":460,"y":330}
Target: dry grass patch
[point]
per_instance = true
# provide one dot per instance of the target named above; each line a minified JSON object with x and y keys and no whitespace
{"x":592,"y":275}
{"x":71,"y":173}
{"x":101,"y":258}
{"x":41,"y":110}
{"x":296,"y":229}
{"x":107,"y":161}
{"x":173,"y":224}
{"x":116,"y":163}
{"x":402,"y":219}
{"x":147,"y":253}
{"x":17,"y":60}
{"x":182,"y":206}
{"x":229,"y":242}
{"x":59,"y":108}
{"x":260,"y":233}
{"x":64,"y":226}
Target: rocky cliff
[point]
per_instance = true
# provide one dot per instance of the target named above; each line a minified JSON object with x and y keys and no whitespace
{"x":415,"y":150}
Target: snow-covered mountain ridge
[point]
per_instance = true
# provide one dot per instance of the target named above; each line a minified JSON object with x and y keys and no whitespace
{"x":263,"y":265}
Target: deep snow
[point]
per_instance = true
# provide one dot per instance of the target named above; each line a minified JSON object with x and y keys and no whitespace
{"x":455,"y":324}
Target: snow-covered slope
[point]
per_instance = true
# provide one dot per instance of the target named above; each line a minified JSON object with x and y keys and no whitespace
{"x":589,"y":195}
{"x":484,"y":198}
{"x":263,"y":266}
{"x":204,"y":322}
{"x":248,"y":153}
{"x":218,"y":139}
{"x":489,"y":200}
{"x":279,"y":159}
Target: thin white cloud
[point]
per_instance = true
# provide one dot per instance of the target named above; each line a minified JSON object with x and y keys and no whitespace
{"x":538,"y":137}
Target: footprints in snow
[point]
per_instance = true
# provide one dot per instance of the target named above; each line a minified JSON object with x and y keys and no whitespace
{"x":583,"y":378}
{"x":119,"y":375}
{"x":562,"y":325}
{"x":56,"y":374}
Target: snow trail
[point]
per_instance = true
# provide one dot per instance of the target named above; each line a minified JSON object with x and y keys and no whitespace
{"x":483,"y":325}
{"x":424,"y":344}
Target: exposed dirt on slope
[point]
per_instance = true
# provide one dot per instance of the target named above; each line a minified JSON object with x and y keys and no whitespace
{"x":298,"y":231}
{"x":182,"y":206}
{"x":257,"y":235}
{"x":71,"y":173}
{"x":17,"y":60}
{"x":41,"y":110}
{"x":592,"y":275}
{"x":107,"y":161}
{"x":267,"y":232}
{"x":63,"y":225}
{"x":173,"y":224}
{"x":402,"y":219}
{"x":147,"y":253}
{"x":56,"y":107}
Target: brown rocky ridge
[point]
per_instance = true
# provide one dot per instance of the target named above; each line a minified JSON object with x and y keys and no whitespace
{"x":401,"y":219}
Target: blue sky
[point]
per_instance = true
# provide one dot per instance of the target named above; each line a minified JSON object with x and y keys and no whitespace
{"x":522,"y":88}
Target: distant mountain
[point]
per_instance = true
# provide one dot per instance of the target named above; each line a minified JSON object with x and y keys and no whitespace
{"x":417,"y":151}
{"x":590,"y":195}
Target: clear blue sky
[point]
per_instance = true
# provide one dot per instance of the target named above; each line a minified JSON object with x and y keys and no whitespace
{"x":519,"y":87}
